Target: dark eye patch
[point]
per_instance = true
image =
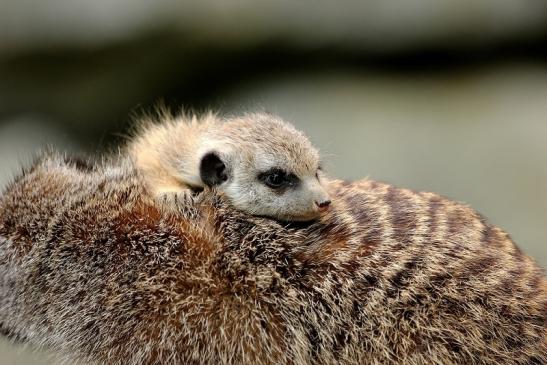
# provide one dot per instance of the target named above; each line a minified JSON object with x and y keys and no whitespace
{"x":277,"y":178}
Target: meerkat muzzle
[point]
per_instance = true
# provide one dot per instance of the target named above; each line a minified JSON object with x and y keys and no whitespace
{"x":323,"y":204}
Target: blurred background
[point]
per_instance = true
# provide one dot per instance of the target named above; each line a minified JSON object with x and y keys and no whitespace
{"x":446,"y":96}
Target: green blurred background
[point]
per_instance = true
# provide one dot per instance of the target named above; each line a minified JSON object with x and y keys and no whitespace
{"x":446,"y":96}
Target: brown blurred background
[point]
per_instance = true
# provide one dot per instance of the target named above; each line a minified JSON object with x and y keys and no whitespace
{"x":447,"y":96}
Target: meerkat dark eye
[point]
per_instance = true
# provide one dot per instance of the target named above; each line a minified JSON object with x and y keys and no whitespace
{"x":277,"y":179}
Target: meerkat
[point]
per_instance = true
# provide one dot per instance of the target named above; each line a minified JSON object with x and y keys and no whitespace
{"x":93,"y":269}
{"x":260,"y":162}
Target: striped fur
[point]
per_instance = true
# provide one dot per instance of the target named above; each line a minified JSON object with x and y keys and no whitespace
{"x":93,"y":269}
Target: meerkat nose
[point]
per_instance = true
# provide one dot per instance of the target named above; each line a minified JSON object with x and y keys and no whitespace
{"x":323,"y":204}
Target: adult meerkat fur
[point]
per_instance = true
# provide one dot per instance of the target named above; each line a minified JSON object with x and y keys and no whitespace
{"x":262,"y":163}
{"x":93,"y":268}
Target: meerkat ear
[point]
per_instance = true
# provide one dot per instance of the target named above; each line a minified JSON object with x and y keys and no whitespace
{"x":212,"y":170}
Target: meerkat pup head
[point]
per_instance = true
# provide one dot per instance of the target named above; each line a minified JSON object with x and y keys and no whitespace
{"x":265,"y":167}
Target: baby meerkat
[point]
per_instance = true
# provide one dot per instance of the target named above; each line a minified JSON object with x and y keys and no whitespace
{"x":262,"y":164}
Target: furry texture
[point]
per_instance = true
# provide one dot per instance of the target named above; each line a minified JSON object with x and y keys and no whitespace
{"x":170,"y":152}
{"x":95,"y":270}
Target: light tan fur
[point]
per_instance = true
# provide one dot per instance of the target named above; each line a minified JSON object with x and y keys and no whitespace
{"x":168,"y":153}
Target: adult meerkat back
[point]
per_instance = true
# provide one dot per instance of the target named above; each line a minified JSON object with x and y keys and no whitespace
{"x":93,"y":268}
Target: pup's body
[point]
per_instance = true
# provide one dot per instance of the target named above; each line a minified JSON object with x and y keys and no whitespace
{"x":263,"y":164}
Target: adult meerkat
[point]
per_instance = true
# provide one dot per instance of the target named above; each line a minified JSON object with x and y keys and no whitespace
{"x":94,"y":269}
{"x":262,"y":163}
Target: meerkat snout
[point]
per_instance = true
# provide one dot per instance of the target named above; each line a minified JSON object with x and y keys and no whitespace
{"x":320,"y":199}
{"x":323,"y":204}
